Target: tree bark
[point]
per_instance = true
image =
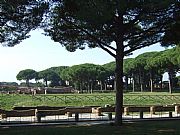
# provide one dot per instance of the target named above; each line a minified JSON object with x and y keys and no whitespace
{"x":133,"y":84}
{"x":119,"y":26}
{"x":151,"y":80}
{"x":105,"y":86}
{"x":91,"y":87}
{"x":161,"y":85}
{"x":27,"y":82}
{"x":126,"y":82}
{"x":80,"y":85}
{"x":46,"y":83}
{"x":119,"y":70}
{"x":170,"y":82}
{"x":101,"y":85}
{"x":151,"y":83}
{"x":119,"y":85}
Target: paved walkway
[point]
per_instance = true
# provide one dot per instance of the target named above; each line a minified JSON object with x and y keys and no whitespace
{"x":84,"y":119}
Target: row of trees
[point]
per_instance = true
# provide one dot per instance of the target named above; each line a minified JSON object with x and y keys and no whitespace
{"x":51,"y":74}
{"x":141,"y":73}
{"x":148,"y":68}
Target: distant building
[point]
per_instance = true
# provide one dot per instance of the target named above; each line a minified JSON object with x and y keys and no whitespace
{"x":61,"y":90}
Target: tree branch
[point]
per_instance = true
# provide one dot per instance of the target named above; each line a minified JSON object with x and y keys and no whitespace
{"x":107,"y":50}
{"x":100,"y":43}
{"x":141,"y":46}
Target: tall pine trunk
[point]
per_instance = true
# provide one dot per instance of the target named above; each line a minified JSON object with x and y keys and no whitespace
{"x":119,"y":78}
{"x":119,"y":88}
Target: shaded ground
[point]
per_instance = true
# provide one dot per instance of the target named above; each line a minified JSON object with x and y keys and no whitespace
{"x":134,"y":128}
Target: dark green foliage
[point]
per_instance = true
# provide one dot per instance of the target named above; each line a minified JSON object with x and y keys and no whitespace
{"x":18,"y":18}
{"x":84,"y":76}
{"x":27,"y":74}
{"x":59,"y":71}
{"x":49,"y":75}
{"x":76,"y":24}
{"x":127,"y":66}
{"x":110,"y":67}
{"x":172,"y":35}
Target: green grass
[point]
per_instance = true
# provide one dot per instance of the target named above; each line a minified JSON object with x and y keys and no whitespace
{"x":137,"y":128}
{"x":100,"y":99}
{"x":10,"y":101}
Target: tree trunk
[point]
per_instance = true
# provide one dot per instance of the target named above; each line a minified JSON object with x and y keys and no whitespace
{"x":126,"y":82}
{"x":141,"y":81}
{"x":133,"y":82}
{"x":91,"y":87}
{"x":27,"y":82}
{"x":151,"y":81}
{"x":105,"y":86}
{"x":119,"y":87}
{"x":119,"y":64}
{"x":114,"y":85}
{"x":46,"y":83}
{"x":81,"y":89}
{"x":170,"y":82}
{"x":161,"y":85}
{"x":133,"y":85}
{"x":101,"y":84}
{"x":119,"y":71}
{"x":141,"y":87}
{"x":88,"y":89}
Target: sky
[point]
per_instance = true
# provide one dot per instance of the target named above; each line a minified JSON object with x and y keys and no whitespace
{"x":39,"y":52}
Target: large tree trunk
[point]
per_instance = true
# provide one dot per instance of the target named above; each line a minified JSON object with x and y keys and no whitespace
{"x":119,"y":64}
{"x":119,"y":88}
{"x":119,"y":73}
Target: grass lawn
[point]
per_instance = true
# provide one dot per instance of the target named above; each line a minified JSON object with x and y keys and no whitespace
{"x":136,"y":128}
{"x":100,"y":99}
